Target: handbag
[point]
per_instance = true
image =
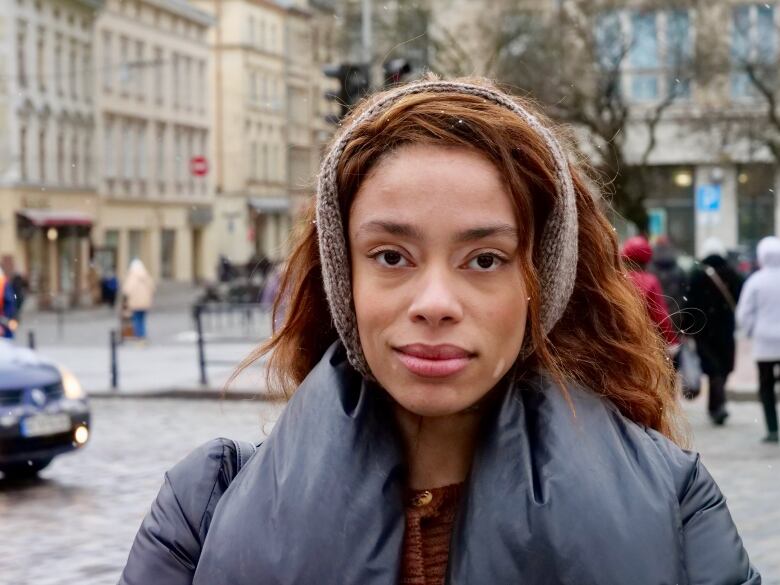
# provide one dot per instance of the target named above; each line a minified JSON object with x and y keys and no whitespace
{"x":690,"y":370}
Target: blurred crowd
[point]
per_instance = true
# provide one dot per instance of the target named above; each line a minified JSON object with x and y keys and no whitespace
{"x":699,"y":310}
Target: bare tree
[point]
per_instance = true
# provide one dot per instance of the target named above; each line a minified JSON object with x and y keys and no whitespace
{"x":581,"y":59}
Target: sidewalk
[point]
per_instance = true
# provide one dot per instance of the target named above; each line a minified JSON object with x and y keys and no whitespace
{"x":167,"y":365}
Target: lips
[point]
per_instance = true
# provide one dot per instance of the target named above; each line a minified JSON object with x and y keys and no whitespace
{"x":433,"y":361}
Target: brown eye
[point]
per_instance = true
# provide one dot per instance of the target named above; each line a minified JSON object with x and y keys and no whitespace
{"x":390,"y":258}
{"x":486,"y":262}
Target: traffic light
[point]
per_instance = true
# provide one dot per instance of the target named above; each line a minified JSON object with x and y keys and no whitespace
{"x":396,"y":71}
{"x":354,"y":84}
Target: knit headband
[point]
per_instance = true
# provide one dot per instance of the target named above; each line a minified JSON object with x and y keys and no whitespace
{"x":557,"y":255}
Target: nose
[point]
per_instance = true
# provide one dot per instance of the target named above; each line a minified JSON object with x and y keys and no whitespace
{"x":436,"y":300}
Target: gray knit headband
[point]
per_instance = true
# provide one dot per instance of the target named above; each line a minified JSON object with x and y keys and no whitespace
{"x":558,"y":248}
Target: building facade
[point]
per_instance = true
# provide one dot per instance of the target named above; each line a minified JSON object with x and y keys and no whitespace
{"x":154,"y":139}
{"x":266,"y":84}
{"x":47,"y":183}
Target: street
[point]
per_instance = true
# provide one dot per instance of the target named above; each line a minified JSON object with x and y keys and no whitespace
{"x":77,"y":523}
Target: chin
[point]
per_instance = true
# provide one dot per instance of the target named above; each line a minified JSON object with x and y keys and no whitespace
{"x":431,"y":401}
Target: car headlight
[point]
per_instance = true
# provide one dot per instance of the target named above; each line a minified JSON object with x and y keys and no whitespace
{"x":71,"y":385}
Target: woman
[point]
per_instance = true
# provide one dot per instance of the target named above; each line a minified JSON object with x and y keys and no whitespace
{"x":709,"y":317}
{"x":758,"y":314}
{"x":138,"y":290}
{"x":479,"y":396}
{"x":637,"y":254}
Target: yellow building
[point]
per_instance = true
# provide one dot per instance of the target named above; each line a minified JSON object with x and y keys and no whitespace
{"x":267,"y":126}
{"x":47,"y":187}
{"x":153,"y":130}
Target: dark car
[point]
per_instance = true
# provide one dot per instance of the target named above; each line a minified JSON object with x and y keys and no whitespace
{"x":43,"y":411}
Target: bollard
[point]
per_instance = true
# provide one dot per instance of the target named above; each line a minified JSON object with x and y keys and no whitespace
{"x":31,"y":339}
{"x":60,"y":323}
{"x":114,"y":369}
{"x":198,"y":314}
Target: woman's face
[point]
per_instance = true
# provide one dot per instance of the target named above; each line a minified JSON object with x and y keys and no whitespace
{"x":436,"y":276}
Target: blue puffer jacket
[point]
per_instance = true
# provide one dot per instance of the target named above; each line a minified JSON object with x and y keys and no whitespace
{"x":551,"y":499}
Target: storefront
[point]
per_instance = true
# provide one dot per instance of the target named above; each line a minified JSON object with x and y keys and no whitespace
{"x":270,"y":218}
{"x":56,"y":251}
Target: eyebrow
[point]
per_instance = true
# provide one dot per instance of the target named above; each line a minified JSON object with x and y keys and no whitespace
{"x":409,"y":231}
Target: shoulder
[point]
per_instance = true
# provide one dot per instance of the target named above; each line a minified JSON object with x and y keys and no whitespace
{"x":591,"y":426}
{"x":200,"y":479}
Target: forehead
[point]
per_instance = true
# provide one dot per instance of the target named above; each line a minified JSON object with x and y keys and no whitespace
{"x":434,"y":185}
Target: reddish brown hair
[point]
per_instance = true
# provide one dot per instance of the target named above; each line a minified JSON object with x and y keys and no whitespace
{"x":604,"y":341}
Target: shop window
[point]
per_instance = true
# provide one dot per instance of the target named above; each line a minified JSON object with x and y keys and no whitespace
{"x":756,"y":202}
{"x":167,"y":253}
{"x":670,"y":204}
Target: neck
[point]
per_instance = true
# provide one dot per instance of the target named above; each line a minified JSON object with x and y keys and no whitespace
{"x":439,"y":450}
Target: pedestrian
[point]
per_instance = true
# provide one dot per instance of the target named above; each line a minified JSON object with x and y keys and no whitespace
{"x":476,"y":393}
{"x":671,"y":276}
{"x":637,"y":254}
{"x":8,"y":307}
{"x":758,"y":314}
{"x":138,"y":291}
{"x":709,"y":317}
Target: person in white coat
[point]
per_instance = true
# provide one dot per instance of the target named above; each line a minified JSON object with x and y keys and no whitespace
{"x":758,"y":314}
{"x":138,"y":290}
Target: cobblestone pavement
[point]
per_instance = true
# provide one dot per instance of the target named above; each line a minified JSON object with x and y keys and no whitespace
{"x":77,"y":523}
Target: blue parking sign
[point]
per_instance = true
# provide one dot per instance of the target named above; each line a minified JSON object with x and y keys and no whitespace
{"x":708,"y":197}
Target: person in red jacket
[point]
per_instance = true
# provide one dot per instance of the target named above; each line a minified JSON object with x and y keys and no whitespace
{"x":637,"y":254}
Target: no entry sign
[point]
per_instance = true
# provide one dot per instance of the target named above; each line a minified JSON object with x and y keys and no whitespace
{"x":199,"y":166}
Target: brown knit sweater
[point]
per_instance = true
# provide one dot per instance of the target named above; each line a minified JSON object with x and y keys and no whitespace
{"x":429,"y":518}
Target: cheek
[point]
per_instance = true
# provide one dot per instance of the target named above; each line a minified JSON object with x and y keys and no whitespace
{"x":373,"y":305}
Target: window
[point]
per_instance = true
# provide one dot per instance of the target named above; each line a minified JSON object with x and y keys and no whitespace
{"x":23,"y":152}
{"x":187,"y":81}
{"x":659,"y":55}
{"x":753,"y":48}
{"x":202,"y":88}
{"x":175,"y":67}
{"x":139,"y":70}
{"x":253,"y":169}
{"x":135,"y":241}
{"x":59,"y":77}
{"x":73,"y":69}
{"x":160,"y":158}
{"x":109,"y":164}
{"x":159,"y":79}
{"x":179,"y":159}
{"x":756,"y":203}
{"x":188,"y":154}
{"x":127,"y":151}
{"x":141,"y":152}
{"x":60,"y":157}
{"x":125,"y":72}
{"x":679,"y":52}
{"x":21,"y":53}
{"x":167,"y":253}
{"x":42,"y":154}
{"x":87,"y":176}
{"x":41,"y":59}
{"x":264,"y":162}
{"x":251,"y":30}
{"x":108,"y":72}
{"x":86,"y":72}
{"x":74,"y":157}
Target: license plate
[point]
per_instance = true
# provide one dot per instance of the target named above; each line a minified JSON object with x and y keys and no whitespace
{"x":45,"y":424}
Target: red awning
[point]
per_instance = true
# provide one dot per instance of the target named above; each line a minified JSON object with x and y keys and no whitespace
{"x":55,"y":217}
